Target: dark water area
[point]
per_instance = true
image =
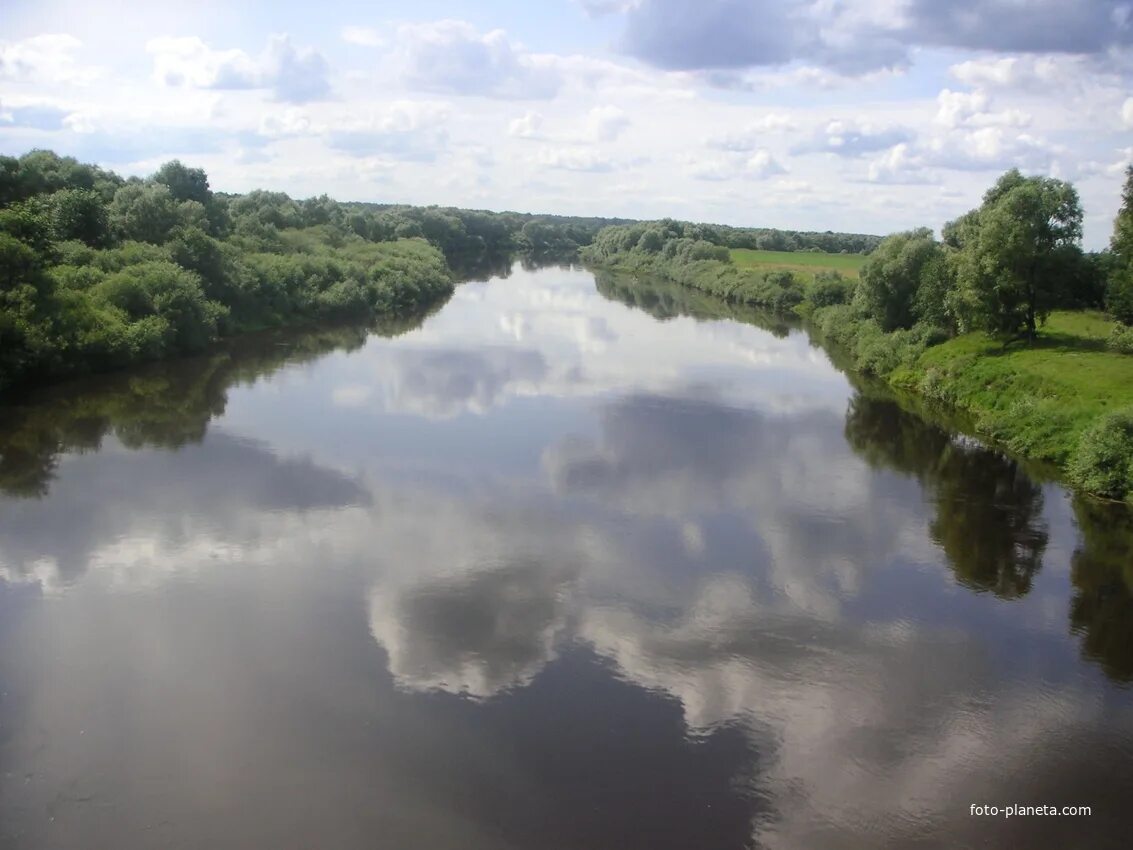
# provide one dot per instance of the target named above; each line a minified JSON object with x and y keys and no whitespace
{"x":565,"y":564}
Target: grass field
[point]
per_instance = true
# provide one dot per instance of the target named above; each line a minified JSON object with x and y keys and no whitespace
{"x":1037,"y":398}
{"x":802,"y":262}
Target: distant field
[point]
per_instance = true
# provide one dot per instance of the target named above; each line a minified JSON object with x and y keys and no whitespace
{"x":805,"y":262}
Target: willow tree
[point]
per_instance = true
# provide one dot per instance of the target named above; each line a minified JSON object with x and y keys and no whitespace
{"x":1016,"y":254}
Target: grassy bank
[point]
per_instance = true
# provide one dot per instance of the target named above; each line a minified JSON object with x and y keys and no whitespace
{"x":1063,"y":398}
{"x":803,"y":263}
{"x":1037,"y":399}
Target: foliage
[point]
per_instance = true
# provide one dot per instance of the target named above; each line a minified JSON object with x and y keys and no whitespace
{"x":1121,"y":339}
{"x":1103,"y":461}
{"x":1122,"y":241}
{"x":829,"y":288}
{"x":675,"y":251}
{"x":1119,"y":295}
{"x":145,"y":212}
{"x":890,"y":284}
{"x":97,"y":272}
{"x":1119,"y":290}
{"x":1016,"y":254}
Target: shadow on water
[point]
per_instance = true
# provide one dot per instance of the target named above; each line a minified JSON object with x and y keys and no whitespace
{"x":161,"y":405}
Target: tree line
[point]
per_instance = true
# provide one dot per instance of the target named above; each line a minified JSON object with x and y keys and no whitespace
{"x":98,"y":272}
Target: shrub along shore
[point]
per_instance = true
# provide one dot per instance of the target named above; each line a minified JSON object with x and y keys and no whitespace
{"x":1005,"y":318}
{"x":98,"y":272}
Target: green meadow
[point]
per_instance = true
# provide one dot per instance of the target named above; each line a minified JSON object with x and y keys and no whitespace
{"x":800,"y":262}
{"x":1038,"y":398}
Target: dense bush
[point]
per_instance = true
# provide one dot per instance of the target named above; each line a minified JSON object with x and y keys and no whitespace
{"x":1103,"y":461}
{"x":1119,"y":296}
{"x":1121,"y":340}
{"x":829,"y":288}
{"x":96,"y":272}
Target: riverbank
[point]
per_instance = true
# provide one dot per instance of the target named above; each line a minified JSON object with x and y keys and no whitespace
{"x":1062,"y":400}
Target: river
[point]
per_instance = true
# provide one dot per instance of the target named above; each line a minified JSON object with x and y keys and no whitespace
{"x":560,"y":566}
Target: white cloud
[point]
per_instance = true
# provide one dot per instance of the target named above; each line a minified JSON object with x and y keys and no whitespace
{"x":702,"y":168}
{"x":1039,"y":73}
{"x":575,"y":159}
{"x":45,"y":59}
{"x":291,"y":121}
{"x":760,"y":165}
{"x":849,"y":138}
{"x":294,"y":74}
{"x":1054,"y":111}
{"x":748,"y":138}
{"x":990,"y":149}
{"x":606,"y":123}
{"x":972,"y":109}
{"x":407,"y":130}
{"x":763,"y":165}
{"x":527,"y":126}
{"x":899,"y":164}
{"x":454,"y":58}
{"x":363,"y":36}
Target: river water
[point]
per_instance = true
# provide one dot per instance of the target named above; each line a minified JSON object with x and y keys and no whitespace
{"x":562,"y":566}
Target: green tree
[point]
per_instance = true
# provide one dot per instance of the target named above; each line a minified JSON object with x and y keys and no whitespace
{"x":79,"y":214}
{"x":891,"y":277}
{"x":184,"y":183}
{"x":1119,"y":293}
{"x":1017,"y":254}
{"x":190,"y":187}
{"x":146,"y":212}
{"x":187,"y":320}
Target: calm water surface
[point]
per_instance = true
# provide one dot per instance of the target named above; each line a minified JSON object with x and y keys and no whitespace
{"x":562,"y":567}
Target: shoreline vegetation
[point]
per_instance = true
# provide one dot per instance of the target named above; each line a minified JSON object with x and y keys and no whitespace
{"x":1005,"y":319}
{"x":98,"y":272}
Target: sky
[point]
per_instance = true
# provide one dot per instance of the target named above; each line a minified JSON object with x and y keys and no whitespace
{"x":806,"y":114}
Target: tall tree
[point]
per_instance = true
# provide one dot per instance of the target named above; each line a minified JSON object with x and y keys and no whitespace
{"x":891,"y":277}
{"x":1017,"y":253}
{"x":1119,"y":294}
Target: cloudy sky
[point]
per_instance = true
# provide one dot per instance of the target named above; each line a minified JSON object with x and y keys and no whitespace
{"x":815,"y":114}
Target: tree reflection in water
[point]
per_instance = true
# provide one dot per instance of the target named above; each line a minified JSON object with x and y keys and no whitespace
{"x":1101,"y":611}
{"x":988,"y":512}
{"x":164,"y":405}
